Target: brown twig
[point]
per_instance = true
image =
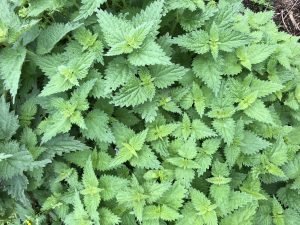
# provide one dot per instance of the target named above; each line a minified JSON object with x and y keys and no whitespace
{"x":282,"y":19}
{"x":288,"y":12}
{"x":293,"y":20}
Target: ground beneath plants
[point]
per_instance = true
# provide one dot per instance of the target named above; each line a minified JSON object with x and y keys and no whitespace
{"x":287,"y":14}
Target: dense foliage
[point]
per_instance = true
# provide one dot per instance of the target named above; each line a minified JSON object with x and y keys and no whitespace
{"x":180,"y":112}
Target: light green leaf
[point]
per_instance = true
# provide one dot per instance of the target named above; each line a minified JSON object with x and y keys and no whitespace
{"x":53,"y":126}
{"x":97,"y":127}
{"x":132,"y":41}
{"x":134,"y":93}
{"x":165,"y":76}
{"x":259,"y":112}
{"x":226,"y":129}
{"x":8,"y":121}
{"x":254,"y":54}
{"x":88,"y":7}
{"x":199,"y":99}
{"x":117,"y":73}
{"x":113,"y":28}
{"x":151,"y":14}
{"x":19,"y":161}
{"x":209,"y":71}
{"x":146,"y":159}
{"x":150,"y":53}
{"x":11,"y":63}
{"x":52,"y":35}
{"x":111,"y":185}
{"x":252,"y":144}
{"x":60,"y":145}
{"x":108,"y":217}
{"x":196,"y":41}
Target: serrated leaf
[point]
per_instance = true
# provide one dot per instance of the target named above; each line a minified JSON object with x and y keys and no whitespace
{"x":196,"y":41}
{"x":97,"y":127}
{"x":134,"y":93}
{"x":87,"y":8}
{"x":209,"y":71}
{"x":117,"y":73}
{"x":8,"y":121}
{"x":199,"y":99}
{"x":108,"y":217}
{"x":113,"y":28}
{"x":52,"y":35}
{"x":165,"y":76}
{"x":19,"y":161}
{"x":11,"y":63}
{"x":252,"y":144}
{"x":152,"y":13}
{"x":226,"y":129}
{"x":150,"y":53}
{"x":259,"y":112}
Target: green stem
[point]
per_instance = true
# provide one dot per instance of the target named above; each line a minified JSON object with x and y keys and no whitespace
{"x":106,"y":4}
{"x":124,"y":3}
{"x":173,"y":28}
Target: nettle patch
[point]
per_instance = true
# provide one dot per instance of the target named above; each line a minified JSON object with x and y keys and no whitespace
{"x":180,"y":112}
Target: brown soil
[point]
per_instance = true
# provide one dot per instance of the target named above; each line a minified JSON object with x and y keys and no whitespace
{"x":287,"y":14}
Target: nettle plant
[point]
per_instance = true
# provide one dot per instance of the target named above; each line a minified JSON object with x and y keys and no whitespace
{"x":180,"y":112}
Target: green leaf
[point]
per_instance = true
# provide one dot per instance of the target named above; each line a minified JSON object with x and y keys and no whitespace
{"x":204,"y":207}
{"x":230,"y":40}
{"x":60,"y":145}
{"x":196,"y":129}
{"x":135,"y":92}
{"x":117,"y":73}
{"x":156,"y":190}
{"x":16,"y":187}
{"x":289,"y":197}
{"x":165,"y":76}
{"x":91,"y":191}
{"x":252,"y":144}
{"x":150,"y":53}
{"x":159,"y":132}
{"x":65,"y":76}
{"x":186,"y":4}
{"x":146,"y":159}
{"x":151,"y":14}
{"x":243,"y":215}
{"x":254,"y":54}
{"x":87,"y":8}
{"x":8,"y":121}
{"x":89,"y":178}
{"x":265,"y":88}
{"x":17,"y":161}
{"x":111,"y":185}
{"x":127,"y":197}
{"x":113,"y":28}
{"x":132,"y":41}
{"x":174,"y":197}
{"x":226,"y":129}
{"x":108,"y":217}
{"x":97,"y":127}
{"x":52,"y":35}
{"x":11,"y":63}
{"x":199,"y":99}
{"x":38,"y":7}
{"x":196,"y":41}
{"x":259,"y":112}
{"x":200,"y":130}
{"x":129,"y":148}
{"x":53,"y":126}
{"x":79,"y":215}
{"x":209,"y":71}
